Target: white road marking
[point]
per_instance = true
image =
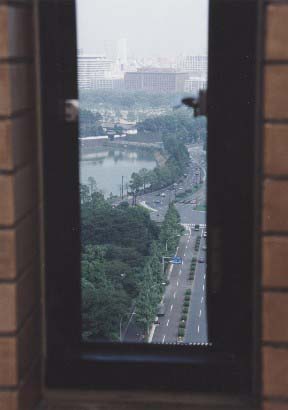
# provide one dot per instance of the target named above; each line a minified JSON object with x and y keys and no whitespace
{"x":202,"y":299}
{"x":184,"y":255}
{"x":200,"y":313}
{"x":205,"y":276}
{"x":167,"y":322}
{"x":203,"y":287}
{"x":174,"y":295}
{"x":180,"y":272}
{"x":163,"y":340}
{"x":171,"y":307}
{"x":186,"y":246}
{"x":177,"y":283}
{"x":198,"y":328}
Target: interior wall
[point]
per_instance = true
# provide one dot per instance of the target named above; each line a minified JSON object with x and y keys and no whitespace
{"x":275,"y":209}
{"x":20,"y":354}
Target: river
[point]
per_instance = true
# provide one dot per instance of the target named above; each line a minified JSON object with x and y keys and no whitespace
{"x":108,"y":165}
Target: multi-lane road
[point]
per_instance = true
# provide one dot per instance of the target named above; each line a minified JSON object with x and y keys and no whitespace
{"x":196,"y":326}
{"x":166,"y":330}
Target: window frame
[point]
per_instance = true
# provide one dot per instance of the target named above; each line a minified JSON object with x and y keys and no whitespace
{"x":228,"y":365}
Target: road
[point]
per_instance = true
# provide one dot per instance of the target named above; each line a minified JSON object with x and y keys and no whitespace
{"x":196,"y":326}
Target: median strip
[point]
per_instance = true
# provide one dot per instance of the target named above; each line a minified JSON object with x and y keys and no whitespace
{"x":184,"y":316}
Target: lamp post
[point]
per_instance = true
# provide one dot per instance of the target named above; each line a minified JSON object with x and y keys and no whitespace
{"x":120,"y":324}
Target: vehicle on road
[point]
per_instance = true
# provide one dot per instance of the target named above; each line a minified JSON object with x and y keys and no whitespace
{"x":197,"y":227}
{"x":157,"y":201}
{"x":156,"y":322}
{"x":204,"y":247}
{"x":163,"y":194}
{"x":201,"y":259}
{"x":205,"y":234}
{"x":161,"y":309}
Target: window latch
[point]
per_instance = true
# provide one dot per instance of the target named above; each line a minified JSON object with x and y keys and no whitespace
{"x":71,"y":110}
{"x":198,"y":104}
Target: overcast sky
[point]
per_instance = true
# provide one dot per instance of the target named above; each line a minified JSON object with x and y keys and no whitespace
{"x":163,"y":28}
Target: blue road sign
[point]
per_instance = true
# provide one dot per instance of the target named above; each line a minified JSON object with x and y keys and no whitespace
{"x":176,"y":260}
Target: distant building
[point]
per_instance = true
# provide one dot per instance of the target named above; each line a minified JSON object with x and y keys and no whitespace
{"x":197,"y":66}
{"x":122,"y":53}
{"x":156,"y":80}
{"x":107,"y":83}
{"x":92,"y":68}
{"x":194,"y":84}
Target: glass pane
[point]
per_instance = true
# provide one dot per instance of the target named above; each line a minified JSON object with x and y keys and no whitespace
{"x":142,"y":170}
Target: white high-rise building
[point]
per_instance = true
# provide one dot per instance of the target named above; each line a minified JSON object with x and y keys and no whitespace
{"x":197,"y":66}
{"x":91,"y":68}
{"x":194,"y":84}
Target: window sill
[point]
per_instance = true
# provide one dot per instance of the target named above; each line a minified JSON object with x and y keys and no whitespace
{"x":115,"y":400}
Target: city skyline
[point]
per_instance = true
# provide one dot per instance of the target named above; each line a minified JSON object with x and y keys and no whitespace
{"x":163,"y":29}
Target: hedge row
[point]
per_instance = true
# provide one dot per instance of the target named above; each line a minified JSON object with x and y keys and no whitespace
{"x":185,"y":309}
{"x":197,"y":243}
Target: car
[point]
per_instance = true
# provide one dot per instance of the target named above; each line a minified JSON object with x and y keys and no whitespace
{"x":205,"y":234}
{"x":201,"y":259}
{"x":163,"y":194}
{"x":204,"y":247}
{"x":157,"y":201}
{"x":156,"y":322}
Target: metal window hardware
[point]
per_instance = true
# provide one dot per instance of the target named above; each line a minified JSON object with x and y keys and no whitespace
{"x":71,"y":110}
{"x":198,"y":104}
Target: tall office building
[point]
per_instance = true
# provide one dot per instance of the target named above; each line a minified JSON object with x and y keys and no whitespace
{"x":92,"y":68}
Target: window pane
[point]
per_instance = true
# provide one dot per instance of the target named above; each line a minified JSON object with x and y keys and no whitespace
{"x":142,"y":170}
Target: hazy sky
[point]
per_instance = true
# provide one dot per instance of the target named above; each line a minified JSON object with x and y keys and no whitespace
{"x":151,"y":27}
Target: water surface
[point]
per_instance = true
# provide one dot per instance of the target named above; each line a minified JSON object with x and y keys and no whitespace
{"x":107,"y":166}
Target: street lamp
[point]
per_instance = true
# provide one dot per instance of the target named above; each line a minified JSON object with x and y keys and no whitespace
{"x":120,"y":324}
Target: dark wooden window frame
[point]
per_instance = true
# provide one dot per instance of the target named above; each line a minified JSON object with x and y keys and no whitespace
{"x":228,"y":366}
